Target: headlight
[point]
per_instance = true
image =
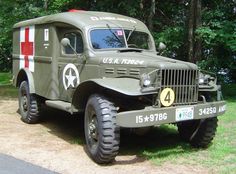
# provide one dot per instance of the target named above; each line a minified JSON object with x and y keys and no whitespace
{"x":201,"y":79}
{"x":204,"y":79}
{"x":145,"y":80}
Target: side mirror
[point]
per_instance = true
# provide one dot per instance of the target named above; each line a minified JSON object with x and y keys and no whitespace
{"x":161,"y":46}
{"x":65,"y":42}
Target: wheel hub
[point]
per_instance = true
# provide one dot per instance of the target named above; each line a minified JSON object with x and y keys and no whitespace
{"x":25,"y":103}
{"x":93,"y":129}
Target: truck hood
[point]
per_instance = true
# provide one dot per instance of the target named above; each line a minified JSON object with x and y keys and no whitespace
{"x":142,"y":59}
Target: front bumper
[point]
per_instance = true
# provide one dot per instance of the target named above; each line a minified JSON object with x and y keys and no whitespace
{"x":151,"y":116}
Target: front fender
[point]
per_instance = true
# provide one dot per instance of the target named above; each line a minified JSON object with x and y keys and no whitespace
{"x":124,"y":86}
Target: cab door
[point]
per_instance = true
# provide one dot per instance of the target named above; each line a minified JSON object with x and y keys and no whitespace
{"x":70,"y":64}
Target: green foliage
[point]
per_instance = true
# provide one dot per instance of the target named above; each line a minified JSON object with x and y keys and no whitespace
{"x":218,"y":35}
{"x":6,"y":88}
{"x":218,"y":31}
{"x":206,"y":34}
{"x":173,"y":37}
{"x":10,"y":13}
{"x":5,"y":78}
{"x":229,"y":91}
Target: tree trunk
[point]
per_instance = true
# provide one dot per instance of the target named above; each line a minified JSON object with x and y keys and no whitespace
{"x":45,"y":6}
{"x":194,"y":22}
{"x":198,"y":42}
{"x":191,"y":31}
{"x":141,"y":4}
{"x":151,"y":15}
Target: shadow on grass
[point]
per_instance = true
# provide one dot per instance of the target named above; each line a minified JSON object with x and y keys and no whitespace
{"x":230,"y":99}
{"x":159,"y":142}
{"x":229,"y":90}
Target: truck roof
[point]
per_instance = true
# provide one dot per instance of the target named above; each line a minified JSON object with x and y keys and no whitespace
{"x":82,"y":19}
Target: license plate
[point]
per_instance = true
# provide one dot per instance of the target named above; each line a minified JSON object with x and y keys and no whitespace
{"x":182,"y":114}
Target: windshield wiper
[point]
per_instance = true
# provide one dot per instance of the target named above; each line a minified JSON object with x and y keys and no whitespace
{"x":130,"y":33}
{"x":108,"y":26}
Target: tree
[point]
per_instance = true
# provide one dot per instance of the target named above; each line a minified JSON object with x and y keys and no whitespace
{"x":218,"y":34}
{"x":194,"y":22}
{"x":193,"y":30}
{"x":151,"y":15}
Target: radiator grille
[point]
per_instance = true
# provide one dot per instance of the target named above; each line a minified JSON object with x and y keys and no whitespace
{"x":184,"y":83}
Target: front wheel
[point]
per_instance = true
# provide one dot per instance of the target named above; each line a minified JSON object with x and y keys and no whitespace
{"x":199,"y":133}
{"x":101,"y":131}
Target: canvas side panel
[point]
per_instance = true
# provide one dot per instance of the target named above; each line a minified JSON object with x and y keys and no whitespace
{"x":43,"y":60}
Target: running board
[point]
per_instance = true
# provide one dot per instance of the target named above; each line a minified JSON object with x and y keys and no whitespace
{"x":65,"y":106}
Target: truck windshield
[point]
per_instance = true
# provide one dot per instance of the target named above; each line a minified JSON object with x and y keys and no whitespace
{"x":117,"y":38}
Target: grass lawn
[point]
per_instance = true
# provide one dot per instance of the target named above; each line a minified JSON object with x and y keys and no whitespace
{"x":7,"y":90}
{"x":5,"y":78}
{"x":163,"y":144}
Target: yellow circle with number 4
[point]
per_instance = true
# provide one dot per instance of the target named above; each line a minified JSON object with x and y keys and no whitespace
{"x":167,"y":97}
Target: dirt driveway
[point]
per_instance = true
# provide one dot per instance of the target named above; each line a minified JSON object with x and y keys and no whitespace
{"x":58,"y":144}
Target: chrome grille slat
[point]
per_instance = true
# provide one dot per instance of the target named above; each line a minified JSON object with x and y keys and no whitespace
{"x":177,"y":92}
{"x":189,"y":89}
{"x":183,"y":82}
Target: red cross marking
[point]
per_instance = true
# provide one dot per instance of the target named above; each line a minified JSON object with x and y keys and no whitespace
{"x":27,"y":48}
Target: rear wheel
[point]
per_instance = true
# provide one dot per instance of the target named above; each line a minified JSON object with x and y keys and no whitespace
{"x":101,"y":131}
{"x":199,"y":133}
{"x":29,"y":104}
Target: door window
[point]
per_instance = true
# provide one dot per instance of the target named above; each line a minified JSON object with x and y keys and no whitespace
{"x":76,"y":43}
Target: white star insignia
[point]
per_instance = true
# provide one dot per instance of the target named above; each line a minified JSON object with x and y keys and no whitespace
{"x":70,"y":79}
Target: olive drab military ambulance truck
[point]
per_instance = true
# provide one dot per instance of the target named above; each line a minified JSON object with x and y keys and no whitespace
{"x":106,"y":66}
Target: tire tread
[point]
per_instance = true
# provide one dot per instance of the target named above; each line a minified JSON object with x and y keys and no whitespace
{"x":203,"y":136}
{"x":109,"y":145}
{"x":34,"y":112}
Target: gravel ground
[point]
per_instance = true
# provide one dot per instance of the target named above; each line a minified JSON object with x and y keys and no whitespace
{"x":58,"y":145}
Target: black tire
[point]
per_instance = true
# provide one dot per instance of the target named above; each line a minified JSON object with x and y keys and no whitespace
{"x":101,"y":131}
{"x":29,"y":105}
{"x":199,"y":133}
